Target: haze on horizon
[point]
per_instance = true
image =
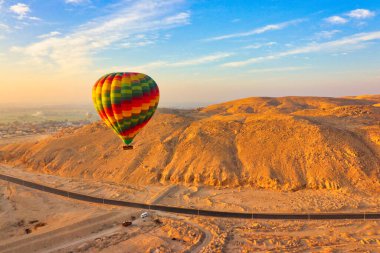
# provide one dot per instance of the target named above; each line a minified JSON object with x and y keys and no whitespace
{"x":199,"y":52}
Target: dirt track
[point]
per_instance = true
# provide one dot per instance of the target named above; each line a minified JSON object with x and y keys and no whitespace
{"x":215,"y":233}
{"x":61,"y":236}
{"x":85,"y":234}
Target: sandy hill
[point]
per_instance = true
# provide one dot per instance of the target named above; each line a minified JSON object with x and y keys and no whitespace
{"x":278,"y":143}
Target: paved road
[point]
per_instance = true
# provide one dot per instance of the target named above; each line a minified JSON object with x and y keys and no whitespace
{"x":199,"y":212}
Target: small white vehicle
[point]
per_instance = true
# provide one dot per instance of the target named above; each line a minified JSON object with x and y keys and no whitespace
{"x":144,"y":215}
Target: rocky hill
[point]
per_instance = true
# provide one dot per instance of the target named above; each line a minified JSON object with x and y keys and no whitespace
{"x":284,"y":143}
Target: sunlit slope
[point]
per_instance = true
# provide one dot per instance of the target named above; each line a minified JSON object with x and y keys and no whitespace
{"x":277,"y":143}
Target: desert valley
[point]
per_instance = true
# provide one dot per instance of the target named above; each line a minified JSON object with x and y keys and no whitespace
{"x":259,"y":154}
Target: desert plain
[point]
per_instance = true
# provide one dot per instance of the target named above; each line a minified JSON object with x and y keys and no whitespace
{"x":265,"y":155}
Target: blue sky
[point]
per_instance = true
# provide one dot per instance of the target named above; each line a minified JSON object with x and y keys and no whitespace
{"x":199,"y":52}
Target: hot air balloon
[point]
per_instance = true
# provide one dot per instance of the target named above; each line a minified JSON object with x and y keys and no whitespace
{"x":126,"y":101}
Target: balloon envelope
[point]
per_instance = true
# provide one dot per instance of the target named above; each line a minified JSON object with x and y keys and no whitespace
{"x":126,"y":101}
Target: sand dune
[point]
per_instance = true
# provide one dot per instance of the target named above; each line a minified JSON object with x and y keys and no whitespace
{"x":286,"y":143}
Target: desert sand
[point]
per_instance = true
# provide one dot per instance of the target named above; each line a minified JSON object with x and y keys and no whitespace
{"x":242,"y":199}
{"x":285,"y":143}
{"x":32,"y":221}
{"x":74,"y":226}
{"x":292,"y":154}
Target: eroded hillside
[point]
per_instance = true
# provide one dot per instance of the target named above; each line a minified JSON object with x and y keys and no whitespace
{"x":278,"y":143}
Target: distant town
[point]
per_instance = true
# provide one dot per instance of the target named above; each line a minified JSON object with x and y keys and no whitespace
{"x":20,"y":129}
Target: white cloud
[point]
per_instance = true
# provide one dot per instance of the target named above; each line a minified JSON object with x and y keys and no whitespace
{"x":34,"y":18}
{"x":360,"y":14}
{"x":180,"y":17}
{"x":190,"y":62}
{"x":20,"y":9}
{"x":259,"y":30}
{"x":137,"y":44}
{"x":141,"y":40}
{"x":353,"y":40}
{"x":336,"y":20}
{"x":74,"y":51}
{"x":260,"y":45}
{"x":326,"y":34}
{"x":75,"y":1}
{"x":201,"y":60}
{"x":49,"y":35}
{"x":354,"y":14}
{"x":282,"y":69}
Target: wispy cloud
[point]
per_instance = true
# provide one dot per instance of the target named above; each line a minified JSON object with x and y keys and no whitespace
{"x":259,"y":30}
{"x":76,"y":1}
{"x":142,"y":68}
{"x":353,"y":40}
{"x":185,"y":63}
{"x":260,"y":45}
{"x":326,"y":34}
{"x":336,"y":20}
{"x":49,"y":35}
{"x":360,"y":14}
{"x":179,"y":18}
{"x":142,"y":40}
{"x":282,"y":69}
{"x":137,"y":44}
{"x":35,"y":18}
{"x":201,"y":60}
{"x":75,"y":49}
{"x":4,"y":27}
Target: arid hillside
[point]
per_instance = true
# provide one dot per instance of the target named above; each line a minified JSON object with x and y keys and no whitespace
{"x":286,"y":143}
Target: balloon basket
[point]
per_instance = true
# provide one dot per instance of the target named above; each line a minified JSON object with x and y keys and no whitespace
{"x":129,"y":147}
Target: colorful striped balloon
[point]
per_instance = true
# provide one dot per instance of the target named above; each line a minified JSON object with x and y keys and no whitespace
{"x":126,"y":101}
